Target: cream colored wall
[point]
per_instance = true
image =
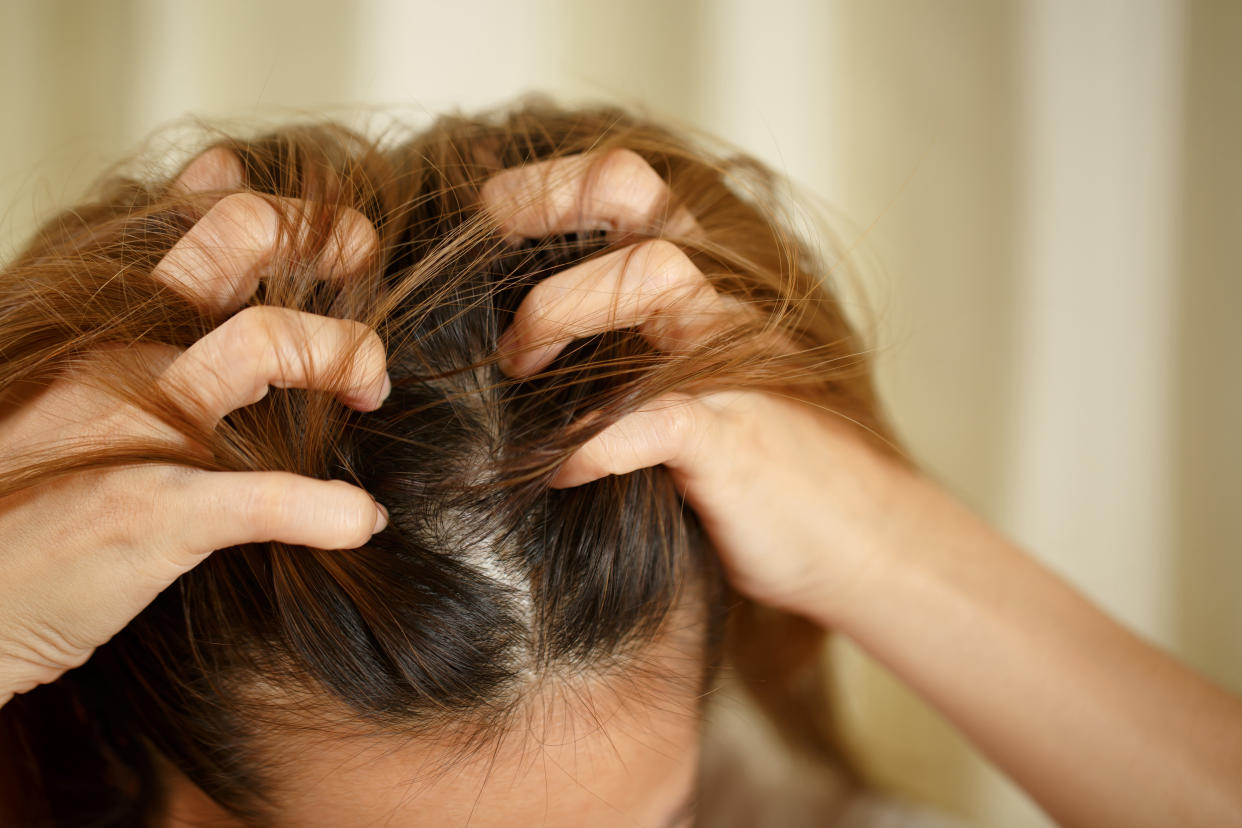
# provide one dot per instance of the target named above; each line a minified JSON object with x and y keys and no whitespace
{"x":1042,"y":196}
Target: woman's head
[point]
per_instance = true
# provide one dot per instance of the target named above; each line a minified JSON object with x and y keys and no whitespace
{"x":503,"y":645}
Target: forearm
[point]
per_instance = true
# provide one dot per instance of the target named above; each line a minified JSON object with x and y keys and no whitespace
{"x":1101,"y":728}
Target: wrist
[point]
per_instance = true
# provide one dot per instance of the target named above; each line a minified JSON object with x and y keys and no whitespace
{"x":898,"y":516}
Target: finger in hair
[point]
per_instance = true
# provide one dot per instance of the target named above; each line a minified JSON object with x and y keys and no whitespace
{"x":652,"y":285}
{"x":665,"y":431}
{"x":223,"y":509}
{"x":262,"y":346}
{"x":214,"y":170}
{"x":219,"y":262}
{"x":616,"y":191}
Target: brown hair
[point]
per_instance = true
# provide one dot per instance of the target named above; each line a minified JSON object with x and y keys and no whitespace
{"x":485,"y":576}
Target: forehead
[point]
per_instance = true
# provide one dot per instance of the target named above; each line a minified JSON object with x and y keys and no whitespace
{"x":575,"y":758}
{"x":617,"y":749}
{"x":582,"y":748}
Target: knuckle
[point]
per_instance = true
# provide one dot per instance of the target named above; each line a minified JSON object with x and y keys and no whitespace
{"x":119,"y":510}
{"x":356,"y":237}
{"x":170,"y":491}
{"x":126,"y":509}
{"x":662,"y":252}
{"x":500,"y":186}
{"x":247,"y":213}
{"x":594,"y":459}
{"x":264,"y":506}
{"x":538,"y":304}
{"x":683,"y":419}
{"x":666,"y":266}
{"x":248,"y":348}
{"x":501,"y":195}
{"x":625,"y":168}
{"x":680,"y":419}
{"x":217,"y":168}
{"x":353,"y":330}
{"x":277,"y":505}
{"x":250,"y":331}
{"x":631,"y":186}
{"x":215,"y":259}
{"x":495,"y":188}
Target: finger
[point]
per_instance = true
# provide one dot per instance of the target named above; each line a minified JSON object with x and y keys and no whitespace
{"x":221,"y":509}
{"x":218,"y":263}
{"x":263,"y":346}
{"x":616,"y":191}
{"x":667,"y":431}
{"x":652,"y":285}
{"x":217,"y":169}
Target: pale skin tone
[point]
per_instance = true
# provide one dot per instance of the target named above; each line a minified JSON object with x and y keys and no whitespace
{"x":618,"y":752}
{"x":1098,"y":726}
{"x":84,"y":555}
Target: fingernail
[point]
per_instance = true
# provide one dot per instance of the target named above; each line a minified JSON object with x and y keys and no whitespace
{"x":381,"y":519}
{"x":387,"y":390}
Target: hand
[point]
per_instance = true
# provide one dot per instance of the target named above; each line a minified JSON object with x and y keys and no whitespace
{"x":809,"y":518}
{"x":797,"y":505}
{"x":84,"y":554}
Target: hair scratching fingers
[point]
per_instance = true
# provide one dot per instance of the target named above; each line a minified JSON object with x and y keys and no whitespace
{"x":335,"y":261}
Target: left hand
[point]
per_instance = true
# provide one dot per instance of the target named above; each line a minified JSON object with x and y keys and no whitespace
{"x":797,"y":505}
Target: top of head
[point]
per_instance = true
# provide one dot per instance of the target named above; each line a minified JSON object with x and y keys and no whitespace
{"x":487,"y":585}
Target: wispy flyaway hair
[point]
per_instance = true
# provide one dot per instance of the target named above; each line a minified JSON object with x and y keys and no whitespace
{"x":487,"y":584}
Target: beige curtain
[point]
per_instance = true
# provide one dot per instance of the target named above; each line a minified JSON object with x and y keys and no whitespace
{"x":1041,"y":196}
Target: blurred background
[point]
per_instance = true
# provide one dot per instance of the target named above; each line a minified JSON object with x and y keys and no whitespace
{"x":1042,"y":199}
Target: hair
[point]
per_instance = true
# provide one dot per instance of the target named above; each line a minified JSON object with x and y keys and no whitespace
{"x":487,"y":581}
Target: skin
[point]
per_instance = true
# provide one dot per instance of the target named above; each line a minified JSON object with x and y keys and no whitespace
{"x":617,"y":751}
{"x":1098,"y":726}
{"x":82,"y":556}
{"x":1101,"y":728}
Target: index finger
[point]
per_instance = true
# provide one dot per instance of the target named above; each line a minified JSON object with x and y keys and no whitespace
{"x":616,"y":191}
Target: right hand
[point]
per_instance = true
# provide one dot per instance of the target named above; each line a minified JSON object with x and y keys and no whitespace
{"x":84,"y":554}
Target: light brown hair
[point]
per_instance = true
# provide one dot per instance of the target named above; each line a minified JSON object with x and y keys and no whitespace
{"x":415,"y":631}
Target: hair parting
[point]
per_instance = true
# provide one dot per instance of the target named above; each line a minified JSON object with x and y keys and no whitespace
{"x":489,"y":586}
